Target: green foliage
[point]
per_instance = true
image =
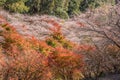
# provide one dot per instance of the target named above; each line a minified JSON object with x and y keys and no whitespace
{"x":47,"y":6}
{"x":73,"y":7}
{"x":51,"y":42}
{"x":34,"y":6}
{"x":66,"y":4}
{"x":54,"y":7}
{"x":2,"y":2}
{"x":61,"y":13}
{"x":16,"y":6}
{"x":85,"y":4}
{"x":59,"y":8}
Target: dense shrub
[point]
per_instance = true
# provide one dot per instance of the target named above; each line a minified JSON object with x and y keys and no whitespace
{"x":16,"y":6}
{"x":60,"y":8}
{"x":65,"y":65}
{"x":73,"y":7}
{"x":61,"y":13}
{"x":34,"y":5}
{"x":47,"y":7}
{"x":32,"y":59}
{"x":2,"y":2}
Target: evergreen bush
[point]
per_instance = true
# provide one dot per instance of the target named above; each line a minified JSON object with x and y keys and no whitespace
{"x":34,"y":6}
{"x":2,"y":2}
{"x":73,"y":7}
{"x":47,"y":7}
{"x":18,"y":7}
{"x":61,"y":13}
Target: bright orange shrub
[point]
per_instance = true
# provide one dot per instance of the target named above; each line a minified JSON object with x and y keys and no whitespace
{"x":64,"y":63}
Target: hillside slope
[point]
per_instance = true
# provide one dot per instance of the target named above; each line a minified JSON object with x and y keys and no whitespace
{"x":95,"y":28}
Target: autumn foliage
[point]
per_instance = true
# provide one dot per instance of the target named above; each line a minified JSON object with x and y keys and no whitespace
{"x":31,"y":59}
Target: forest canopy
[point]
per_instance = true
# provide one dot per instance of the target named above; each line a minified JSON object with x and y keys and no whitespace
{"x":59,"y":8}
